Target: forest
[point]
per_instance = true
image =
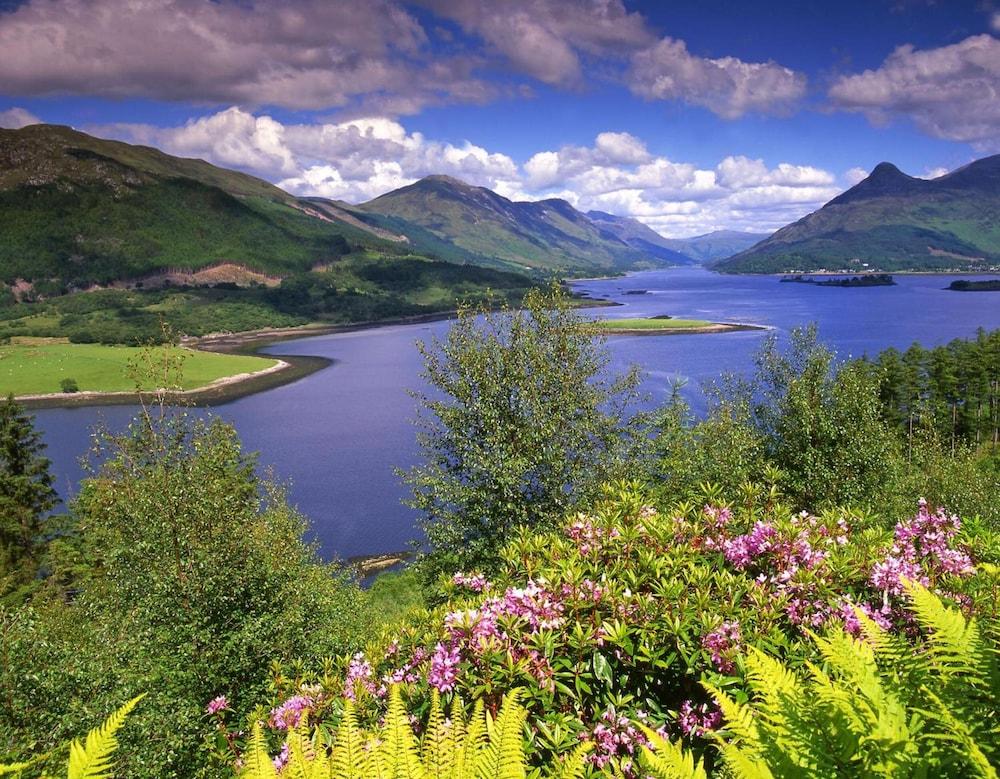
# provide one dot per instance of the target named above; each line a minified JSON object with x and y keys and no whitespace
{"x":802,"y":582}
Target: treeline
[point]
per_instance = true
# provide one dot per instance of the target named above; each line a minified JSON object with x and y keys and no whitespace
{"x":952,"y":390}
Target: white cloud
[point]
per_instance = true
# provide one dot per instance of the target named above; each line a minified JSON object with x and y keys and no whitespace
{"x":15,"y":118}
{"x":855,"y":176}
{"x":934,"y":173}
{"x":950,"y":92}
{"x":726,"y":86}
{"x":995,"y":21}
{"x":362,"y":158}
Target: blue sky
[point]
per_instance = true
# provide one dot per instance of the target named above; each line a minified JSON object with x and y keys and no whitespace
{"x":690,"y":116}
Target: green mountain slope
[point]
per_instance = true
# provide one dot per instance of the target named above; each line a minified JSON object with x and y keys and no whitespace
{"x":716,"y":245}
{"x":640,"y":236}
{"x":892,"y":222}
{"x":204,"y":248}
{"x":80,"y":210}
{"x":547,"y":235}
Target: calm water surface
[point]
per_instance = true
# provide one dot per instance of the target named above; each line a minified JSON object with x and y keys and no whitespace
{"x":336,"y":436}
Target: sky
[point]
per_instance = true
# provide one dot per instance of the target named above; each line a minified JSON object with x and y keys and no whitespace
{"x":689,"y":116}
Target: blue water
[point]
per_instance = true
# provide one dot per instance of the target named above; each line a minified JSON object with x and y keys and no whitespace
{"x":336,"y":436}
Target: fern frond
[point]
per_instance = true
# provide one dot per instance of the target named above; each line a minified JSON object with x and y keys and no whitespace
{"x":743,"y":764}
{"x":953,"y":643}
{"x":669,"y":760}
{"x":350,"y":758}
{"x":574,"y":765}
{"x":739,"y":719}
{"x":92,"y":760}
{"x":503,"y":757}
{"x":475,"y":737}
{"x":399,"y":745}
{"x":257,"y":763}
{"x":960,"y":732}
{"x":438,"y":746}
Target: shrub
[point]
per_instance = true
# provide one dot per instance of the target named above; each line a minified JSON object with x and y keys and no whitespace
{"x":611,"y":624}
{"x":69,"y":385}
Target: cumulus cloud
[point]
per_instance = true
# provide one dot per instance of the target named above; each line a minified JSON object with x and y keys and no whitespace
{"x":855,"y":176}
{"x":951,"y":92}
{"x":545,"y":39}
{"x":362,"y":158}
{"x":352,"y":160}
{"x":15,"y":118}
{"x":726,"y":86}
{"x":305,"y":54}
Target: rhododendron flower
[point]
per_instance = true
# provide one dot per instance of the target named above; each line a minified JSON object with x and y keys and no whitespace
{"x":444,"y":667}
{"x":698,"y":720}
{"x":473,"y":581}
{"x":289,"y":714}
{"x":217,"y":704}
{"x":281,"y":759}
{"x":722,"y":643}
{"x":359,"y":672}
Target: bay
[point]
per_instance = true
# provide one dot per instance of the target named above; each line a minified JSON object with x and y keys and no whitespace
{"x":336,"y":436}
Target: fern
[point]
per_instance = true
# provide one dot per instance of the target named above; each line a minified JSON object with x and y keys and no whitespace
{"x":92,"y":759}
{"x":667,"y":760}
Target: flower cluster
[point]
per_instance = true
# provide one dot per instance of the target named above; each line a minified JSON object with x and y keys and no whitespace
{"x":589,"y":536}
{"x":723,"y":644}
{"x":616,"y":739}
{"x":698,"y":719}
{"x":359,"y":676}
{"x":472,"y":581}
{"x":444,"y":667}
{"x":290,"y":713}
{"x":217,"y":704}
{"x":922,"y":549}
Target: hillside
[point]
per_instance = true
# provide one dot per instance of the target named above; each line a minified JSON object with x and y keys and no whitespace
{"x":639,"y":236}
{"x":80,"y":210}
{"x":717,"y":245}
{"x":547,"y":235}
{"x":203,"y":247}
{"x":892,"y":222}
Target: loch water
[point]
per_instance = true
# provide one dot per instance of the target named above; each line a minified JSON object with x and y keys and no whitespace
{"x":336,"y":437}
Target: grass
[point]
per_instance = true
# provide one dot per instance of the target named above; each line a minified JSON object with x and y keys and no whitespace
{"x":38,"y":366}
{"x":394,"y":594}
{"x":649,"y":323}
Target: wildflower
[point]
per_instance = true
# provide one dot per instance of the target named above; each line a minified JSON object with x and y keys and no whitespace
{"x":289,"y":714}
{"x":473,"y":581}
{"x":444,"y":667}
{"x":217,"y":704}
{"x":281,"y":759}
{"x":698,"y":720}
{"x":359,"y":673}
{"x":721,"y":643}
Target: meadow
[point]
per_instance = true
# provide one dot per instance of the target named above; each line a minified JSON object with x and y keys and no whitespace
{"x":40,"y":365}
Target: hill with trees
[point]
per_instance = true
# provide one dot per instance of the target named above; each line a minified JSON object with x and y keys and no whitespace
{"x":892,"y":222}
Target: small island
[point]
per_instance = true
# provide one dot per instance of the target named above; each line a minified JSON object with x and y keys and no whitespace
{"x":867,"y":280}
{"x":963,"y":285}
{"x":664,"y":325}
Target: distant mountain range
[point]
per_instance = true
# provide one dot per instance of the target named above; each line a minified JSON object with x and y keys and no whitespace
{"x":891,"y":222}
{"x":485,"y":227}
{"x":81,"y":211}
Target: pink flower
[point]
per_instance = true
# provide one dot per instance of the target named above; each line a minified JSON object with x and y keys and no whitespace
{"x":359,"y":673}
{"x":722,"y":643}
{"x":289,"y":714}
{"x":217,"y":704}
{"x":698,"y":720}
{"x":281,"y":760}
{"x":444,"y":667}
{"x":473,"y":581}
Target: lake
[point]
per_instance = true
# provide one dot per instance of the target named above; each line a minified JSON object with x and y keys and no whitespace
{"x":337,"y":435}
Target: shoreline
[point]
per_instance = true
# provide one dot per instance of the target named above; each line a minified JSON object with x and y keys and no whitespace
{"x":714,"y":327}
{"x":289,"y":368}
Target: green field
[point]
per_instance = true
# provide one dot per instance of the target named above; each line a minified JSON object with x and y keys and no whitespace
{"x":649,"y":323}
{"x":39,"y":367}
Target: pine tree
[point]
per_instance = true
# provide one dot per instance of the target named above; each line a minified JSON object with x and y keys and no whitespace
{"x":26,"y":493}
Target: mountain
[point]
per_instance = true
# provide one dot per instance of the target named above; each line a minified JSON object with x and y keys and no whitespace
{"x":547,"y":235}
{"x":102,"y":240}
{"x":716,"y":245}
{"x":892,"y":222}
{"x":639,"y":236}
